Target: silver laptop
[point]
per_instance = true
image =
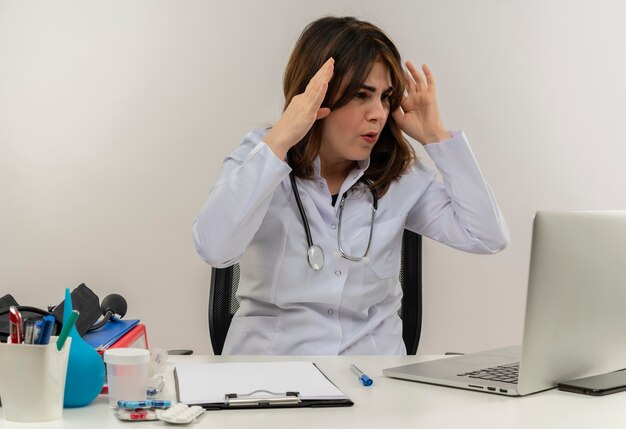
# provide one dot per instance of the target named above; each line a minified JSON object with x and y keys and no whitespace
{"x":575,"y":323}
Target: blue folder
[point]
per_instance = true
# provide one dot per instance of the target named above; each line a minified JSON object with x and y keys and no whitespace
{"x":108,"y":334}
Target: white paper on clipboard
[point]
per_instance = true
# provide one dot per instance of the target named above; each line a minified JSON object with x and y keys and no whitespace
{"x":205,"y":383}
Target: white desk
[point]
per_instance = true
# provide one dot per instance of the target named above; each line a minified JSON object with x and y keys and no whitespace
{"x":389,"y":403}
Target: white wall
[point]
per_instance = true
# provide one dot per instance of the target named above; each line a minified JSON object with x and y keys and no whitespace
{"x":115,"y":116}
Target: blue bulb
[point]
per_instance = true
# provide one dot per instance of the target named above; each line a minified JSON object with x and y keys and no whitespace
{"x":85,"y":368}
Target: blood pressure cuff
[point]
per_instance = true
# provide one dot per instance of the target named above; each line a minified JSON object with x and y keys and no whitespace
{"x":83,"y":300}
{"x":88,"y":305}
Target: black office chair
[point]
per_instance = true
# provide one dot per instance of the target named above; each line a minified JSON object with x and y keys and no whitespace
{"x":224,"y":281}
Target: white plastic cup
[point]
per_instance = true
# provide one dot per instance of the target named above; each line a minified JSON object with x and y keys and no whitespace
{"x":32,"y":380}
{"x":127,"y":374}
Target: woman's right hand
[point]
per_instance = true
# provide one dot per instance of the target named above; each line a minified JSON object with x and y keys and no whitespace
{"x":301,"y":113}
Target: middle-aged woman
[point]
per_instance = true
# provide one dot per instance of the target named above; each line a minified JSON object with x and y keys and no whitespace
{"x":314,"y":208}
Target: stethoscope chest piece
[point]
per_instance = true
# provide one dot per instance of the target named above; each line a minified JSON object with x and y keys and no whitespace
{"x":315,"y":255}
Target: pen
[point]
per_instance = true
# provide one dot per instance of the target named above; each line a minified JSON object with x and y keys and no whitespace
{"x":67,"y":326}
{"x":46,"y":329}
{"x":37,"y":331}
{"x":15,"y":325}
{"x":365,"y":380}
{"x":29,"y":330}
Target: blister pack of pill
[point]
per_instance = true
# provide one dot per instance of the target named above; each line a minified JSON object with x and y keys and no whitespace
{"x":180,"y":414}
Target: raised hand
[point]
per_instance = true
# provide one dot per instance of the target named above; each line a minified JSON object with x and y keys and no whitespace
{"x":418,"y":115}
{"x":301,"y":113}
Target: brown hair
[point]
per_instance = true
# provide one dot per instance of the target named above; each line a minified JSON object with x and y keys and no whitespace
{"x":355,"y":45}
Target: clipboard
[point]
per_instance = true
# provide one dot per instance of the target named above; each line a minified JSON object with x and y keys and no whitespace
{"x":253,"y":385}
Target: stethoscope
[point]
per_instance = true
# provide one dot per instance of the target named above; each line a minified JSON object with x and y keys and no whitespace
{"x":315,"y":254}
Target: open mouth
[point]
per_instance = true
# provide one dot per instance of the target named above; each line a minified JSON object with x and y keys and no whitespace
{"x":370,"y":137}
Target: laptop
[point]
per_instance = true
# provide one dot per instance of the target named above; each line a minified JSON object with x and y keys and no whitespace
{"x":575,"y":320}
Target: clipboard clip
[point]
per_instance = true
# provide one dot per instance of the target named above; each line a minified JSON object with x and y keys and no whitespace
{"x":260,"y":398}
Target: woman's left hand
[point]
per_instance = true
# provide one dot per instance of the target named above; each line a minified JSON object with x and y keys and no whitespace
{"x":418,"y":115}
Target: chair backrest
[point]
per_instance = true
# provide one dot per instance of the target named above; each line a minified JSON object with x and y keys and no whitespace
{"x":224,"y":282}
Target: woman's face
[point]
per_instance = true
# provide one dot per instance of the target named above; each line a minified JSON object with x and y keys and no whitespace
{"x":350,"y":132}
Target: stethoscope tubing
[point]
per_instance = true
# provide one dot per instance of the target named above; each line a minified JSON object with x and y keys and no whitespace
{"x":315,"y":253}
{"x":305,"y":221}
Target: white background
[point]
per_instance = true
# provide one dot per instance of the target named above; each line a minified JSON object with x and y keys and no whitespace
{"x":115,"y":117}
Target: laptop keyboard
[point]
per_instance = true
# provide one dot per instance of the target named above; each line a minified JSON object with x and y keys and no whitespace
{"x":503,"y":373}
